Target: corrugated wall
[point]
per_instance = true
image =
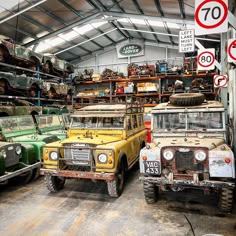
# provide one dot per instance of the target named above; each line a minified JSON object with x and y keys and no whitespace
{"x":110,"y":60}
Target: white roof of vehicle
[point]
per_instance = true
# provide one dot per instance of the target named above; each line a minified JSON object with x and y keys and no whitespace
{"x":208,"y":104}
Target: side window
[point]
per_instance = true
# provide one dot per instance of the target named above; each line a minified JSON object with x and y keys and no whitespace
{"x":134,"y":119}
{"x":128,"y":123}
{"x":140,"y":120}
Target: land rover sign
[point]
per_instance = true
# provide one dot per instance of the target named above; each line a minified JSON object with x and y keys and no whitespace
{"x":130,"y":49}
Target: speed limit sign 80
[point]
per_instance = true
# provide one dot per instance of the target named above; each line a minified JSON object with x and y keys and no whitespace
{"x":206,"y":59}
{"x":211,"y":16}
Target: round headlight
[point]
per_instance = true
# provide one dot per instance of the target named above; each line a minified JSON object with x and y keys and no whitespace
{"x":102,"y":158}
{"x":3,"y":153}
{"x":200,"y":155}
{"x":18,"y":150}
{"x":168,"y":155}
{"x":53,"y":155}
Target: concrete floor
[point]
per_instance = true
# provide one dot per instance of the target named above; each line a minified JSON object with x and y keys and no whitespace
{"x":84,"y":208}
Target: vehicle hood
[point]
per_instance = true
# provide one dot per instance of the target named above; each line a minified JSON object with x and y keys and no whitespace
{"x":35,"y":138}
{"x":209,"y":143}
{"x":96,"y":140}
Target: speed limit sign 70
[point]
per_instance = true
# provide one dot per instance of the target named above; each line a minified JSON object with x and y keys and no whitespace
{"x":211,"y":16}
{"x":206,"y":59}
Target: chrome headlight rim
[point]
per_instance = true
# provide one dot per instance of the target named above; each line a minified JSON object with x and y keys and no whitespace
{"x":53,"y":155}
{"x":3,"y":153}
{"x":102,"y":158}
{"x":18,"y":150}
{"x":200,"y":158}
{"x":165,"y":154}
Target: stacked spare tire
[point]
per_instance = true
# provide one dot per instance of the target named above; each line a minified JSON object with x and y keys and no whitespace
{"x":187,"y":99}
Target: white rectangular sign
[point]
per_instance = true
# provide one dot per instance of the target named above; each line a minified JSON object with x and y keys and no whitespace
{"x":211,"y":16}
{"x":186,"y":41}
{"x":231,"y":51}
{"x":206,"y":59}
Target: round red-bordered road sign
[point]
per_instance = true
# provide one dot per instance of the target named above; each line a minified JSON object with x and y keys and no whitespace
{"x":225,"y":14}
{"x":206,"y":52}
{"x":229,"y":50}
{"x":216,"y":81}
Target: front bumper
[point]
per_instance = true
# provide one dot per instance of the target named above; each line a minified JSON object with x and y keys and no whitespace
{"x":79,"y":174}
{"x":9,"y":175}
{"x":190,"y":183}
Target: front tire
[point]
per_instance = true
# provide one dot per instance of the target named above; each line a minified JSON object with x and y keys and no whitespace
{"x":225,"y":202}
{"x":150,"y":192}
{"x":54,"y":183}
{"x":116,"y":186}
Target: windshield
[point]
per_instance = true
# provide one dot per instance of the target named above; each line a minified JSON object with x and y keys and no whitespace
{"x":189,"y":121}
{"x":16,"y":124}
{"x":98,"y":122}
{"x":48,"y":121}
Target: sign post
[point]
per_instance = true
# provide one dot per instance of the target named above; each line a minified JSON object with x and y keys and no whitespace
{"x":186,"y":41}
{"x":220,"y":81}
{"x":206,"y":59}
{"x":211,"y":16}
{"x":231,"y":50}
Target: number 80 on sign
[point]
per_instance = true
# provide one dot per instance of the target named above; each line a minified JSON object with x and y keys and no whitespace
{"x":206,"y":59}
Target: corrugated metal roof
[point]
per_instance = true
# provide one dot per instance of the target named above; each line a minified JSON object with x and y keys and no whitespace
{"x":51,"y":19}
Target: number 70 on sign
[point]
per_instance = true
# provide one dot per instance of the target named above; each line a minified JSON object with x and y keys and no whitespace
{"x":211,"y":16}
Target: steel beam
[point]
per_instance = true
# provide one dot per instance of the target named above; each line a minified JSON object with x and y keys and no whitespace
{"x":145,"y":17}
{"x":20,"y":12}
{"x":63,"y":29}
{"x":139,"y":9}
{"x":71,"y":8}
{"x":152,"y":30}
{"x":69,"y":48}
{"x":181,"y":7}
{"x":118,"y":5}
{"x":158,"y":6}
{"x":136,"y":28}
{"x":232,"y":19}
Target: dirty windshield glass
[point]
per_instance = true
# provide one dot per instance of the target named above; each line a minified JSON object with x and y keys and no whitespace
{"x":16,"y":124}
{"x":48,"y":121}
{"x":97,"y":122}
{"x":189,"y":121}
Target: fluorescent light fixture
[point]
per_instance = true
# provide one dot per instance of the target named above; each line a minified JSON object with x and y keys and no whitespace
{"x":173,"y":25}
{"x":20,"y":12}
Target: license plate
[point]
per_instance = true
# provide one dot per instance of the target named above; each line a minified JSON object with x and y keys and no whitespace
{"x":152,"y":167}
{"x":10,"y":148}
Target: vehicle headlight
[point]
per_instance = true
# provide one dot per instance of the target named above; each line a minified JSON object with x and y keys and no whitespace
{"x":3,"y":153}
{"x":53,"y":155}
{"x":200,"y":155}
{"x":168,"y":155}
{"x":18,"y":150}
{"x":102,"y":158}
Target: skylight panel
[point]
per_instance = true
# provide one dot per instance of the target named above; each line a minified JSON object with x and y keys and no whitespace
{"x":124,"y":20}
{"x":42,"y":47}
{"x":83,"y":29}
{"x":8,"y":5}
{"x":156,"y":23}
{"x":173,"y":25}
{"x":69,"y":35}
{"x":137,"y":21}
{"x":54,"y":41}
{"x":98,"y":24}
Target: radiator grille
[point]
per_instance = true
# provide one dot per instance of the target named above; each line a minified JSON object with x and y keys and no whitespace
{"x":184,"y":160}
{"x":78,"y":155}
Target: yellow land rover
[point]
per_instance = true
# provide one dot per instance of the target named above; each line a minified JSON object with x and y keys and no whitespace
{"x":103,"y":142}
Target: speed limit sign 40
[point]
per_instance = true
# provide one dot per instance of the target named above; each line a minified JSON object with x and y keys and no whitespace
{"x":206,"y":59}
{"x":211,"y":16}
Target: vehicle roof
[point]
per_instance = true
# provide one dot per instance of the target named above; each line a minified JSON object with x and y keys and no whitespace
{"x":168,"y":106}
{"x":104,"y":107}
